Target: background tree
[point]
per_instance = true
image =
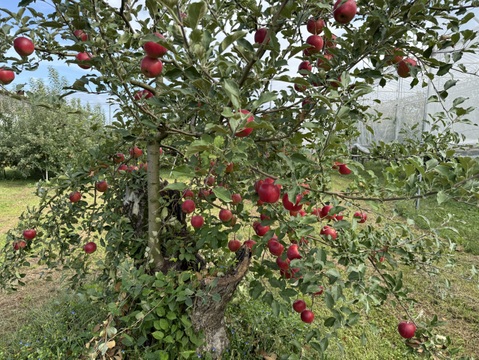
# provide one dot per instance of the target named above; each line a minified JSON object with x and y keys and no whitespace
{"x":232,"y":116}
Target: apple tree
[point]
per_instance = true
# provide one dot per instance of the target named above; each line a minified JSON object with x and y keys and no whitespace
{"x":229,"y":160}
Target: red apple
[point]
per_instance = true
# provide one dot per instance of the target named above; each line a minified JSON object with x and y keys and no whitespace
{"x":360,"y":216}
{"x":188,"y":193}
{"x":29,"y":234}
{"x":122,"y":167}
{"x":136,"y":152}
{"x":143,"y":94}
{"x":229,"y":168}
{"x":330,"y":42}
{"x":118,"y":158}
{"x":316,"y":43}
{"x":75,"y":196}
{"x":320,"y":292}
{"x":153,"y":49}
{"x":225,"y":215}
{"x":83,"y":60}
{"x":269,"y":193}
{"x":150,"y":67}
{"x":236,"y":199}
{"x":293,"y":252}
{"x":343,"y":169}
{"x":246,"y":131}
{"x":406,"y":329}
{"x":344,"y":11}
{"x":23,"y":46}
{"x":283,"y":264}
{"x":188,"y":206}
{"x":329,"y":231}
{"x":299,"y":305}
{"x":259,"y":229}
{"x":404,"y":67}
{"x":288,"y":205}
{"x":101,"y":186}
{"x":19,"y":245}
{"x":275,"y":247}
{"x":325,"y":211}
{"x":80,"y":35}
{"x":250,"y":243}
{"x":89,"y":247}
{"x":210,"y":180}
{"x":234,"y":245}
{"x":307,"y":316}
{"x":304,"y":67}
{"x":197,"y":221}
{"x":6,"y":76}
{"x":315,"y":26}
{"x":260,"y":35}
{"x":324,"y":62}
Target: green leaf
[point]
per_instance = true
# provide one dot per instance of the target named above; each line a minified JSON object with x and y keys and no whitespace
{"x":222,"y":194}
{"x":231,"y":38}
{"x":264,"y":98}
{"x":196,"y":11}
{"x":233,"y":92}
{"x":158,"y":335}
{"x":444,"y":69}
{"x":442,"y":197}
{"x":176,"y":186}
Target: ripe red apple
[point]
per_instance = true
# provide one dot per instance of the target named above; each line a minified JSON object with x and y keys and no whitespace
{"x":315,"y":26}
{"x":320,"y":292}
{"x":324,"y":62}
{"x":29,"y":234}
{"x":329,"y":231}
{"x":236,"y":199}
{"x":250,"y":243}
{"x":188,"y":206}
{"x":101,"y":186}
{"x":83,"y":60}
{"x":343,"y":169}
{"x":118,"y":158}
{"x":283,"y":264}
{"x":204,"y":193}
{"x":143,"y":94}
{"x":269,"y":193}
{"x":75,"y":196}
{"x":293,"y":252}
{"x":6,"y":76}
{"x":330,"y":42}
{"x":225,"y":215}
{"x":122,"y":168}
{"x":259,"y":229}
{"x":404,"y":67}
{"x":23,"y":46}
{"x":80,"y":35}
{"x":153,"y":49}
{"x":344,"y":11}
{"x":136,"y":152}
{"x":300,"y":88}
{"x":305,"y":66}
{"x":316,"y":43}
{"x":325,"y":211}
{"x":210,"y":180}
{"x":360,"y":216}
{"x":89,"y":247}
{"x":188,"y":193}
{"x":260,"y":35}
{"x":406,"y":329}
{"x":234,"y":245}
{"x":150,"y":67}
{"x":229,"y":168}
{"x":288,"y":205}
{"x":246,"y":131}
{"x":307,"y":316}
{"x":275,"y":247}
{"x":394,"y":56}
{"x":197,"y":221}
{"x":299,"y":305}
{"x":19,"y":245}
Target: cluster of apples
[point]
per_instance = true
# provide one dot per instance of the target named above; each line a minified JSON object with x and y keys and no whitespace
{"x":151,"y":66}
{"x":403,"y":64}
{"x":24,"y":47}
{"x":28,"y":235}
{"x":83,"y":58}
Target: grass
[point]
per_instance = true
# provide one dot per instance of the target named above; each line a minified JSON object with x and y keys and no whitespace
{"x":451,"y":294}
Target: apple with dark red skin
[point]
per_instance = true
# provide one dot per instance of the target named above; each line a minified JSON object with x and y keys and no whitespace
{"x":29,"y":234}
{"x":225,"y":215}
{"x":283,"y":264}
{"x":250,"y":243}
{"x":275,"y":247}
{"x":316,"y":43}
{"x":406,"y":329}
{"x":404,"y":67}
{"x":320,"y":292}
{"x":288,"y":205}
{"x":293,"y":252}
{"x":305,"y":66}
{"x":23,"y":46}
{"x":210,"y":180}
{"x":75,"y":196}
{"x":188,"y":206}
{"x":343,"y":169}
{"x":246,"y":131}
{"x":360,"y":216}
{"x":6,"y":76}
{"x":188,"y":193}
{"x":299,"y":305}
{"x":344,"y":11}
{"x":19,"y":245}
{"x":315,"y":26}
{"x":80,"y":35}
{"x":236,"y":199}
{"x":260,"y":35}
{"x":101,"y":186}
{"x":89,"y":247}
{"x":234,"y":245}
{"x":259,"y":229}
{"x":153,"y":49}
{"x":118,"y":158}
{"x":122,"y":168}
{"x":229,"y":168}
{"x":329,"y":231}
{"x":324,"y":62}
{"x":307,"y":316}
{"x":269,"y":193}
{"x":325,"y":211}
{"x":83,"y":59}
{"x":197,"y":221}
{"x":136,"y":152}
{"x":150,"y":67}
{"x":143,"y":94}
